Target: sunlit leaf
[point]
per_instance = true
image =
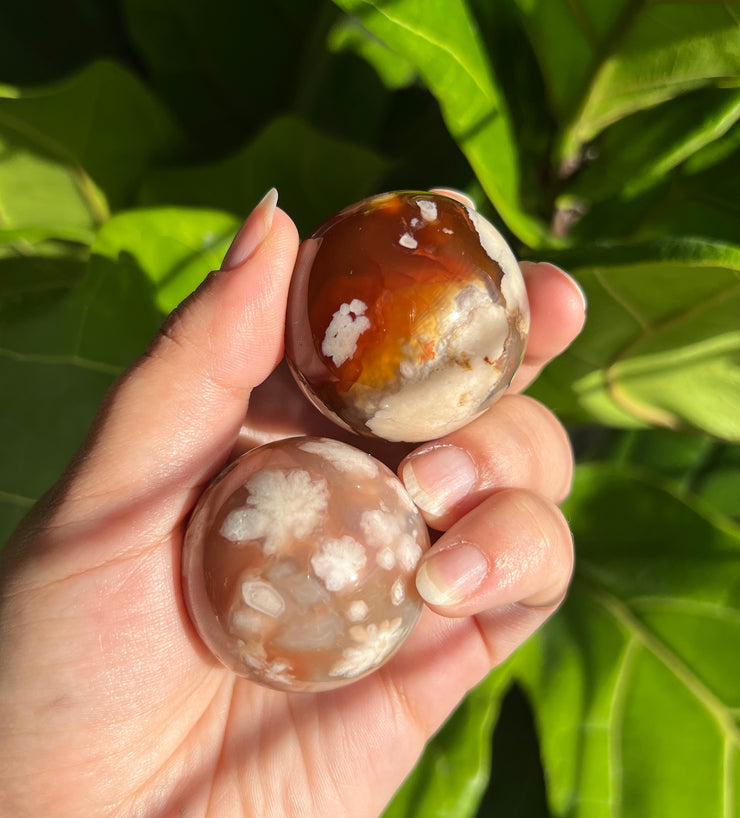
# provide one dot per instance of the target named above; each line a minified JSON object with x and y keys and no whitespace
{"x":440,"y":40}
{"x":637,"y":152}
{"x":75,"y":150}
{"x":61,"y":347}
{"x":605,"y":60}
{"x":348,"y":34}
{"x":634,"y":683}
{"x":661,"y":344}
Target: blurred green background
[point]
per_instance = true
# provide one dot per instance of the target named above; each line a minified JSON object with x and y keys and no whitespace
{"x":603,"y":135}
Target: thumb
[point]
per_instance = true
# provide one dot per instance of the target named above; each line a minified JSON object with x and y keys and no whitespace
{"x":170,"y":421}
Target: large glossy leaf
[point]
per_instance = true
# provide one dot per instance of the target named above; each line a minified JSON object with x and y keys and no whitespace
{"x":349,"y":34}
{"x":451,"y":776}
{"x":693,"y":465}
{"x":636,"y":153}
{"x":61,"y":346}
{"x":77,"y":149}
{"x":315,"y":175}
{"x":662,"y":341}
{"x":174,"y":247}
{"x":604,"y":60}
{"x":699,"y":198}
{"x":634,"y":682}
{"x":440,"y":40}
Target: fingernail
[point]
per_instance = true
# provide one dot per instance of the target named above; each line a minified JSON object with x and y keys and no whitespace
{"x":450,"y":576}
{"x":453,"y":193}
{"x":253,"y":232}
{"x":439,"y":478}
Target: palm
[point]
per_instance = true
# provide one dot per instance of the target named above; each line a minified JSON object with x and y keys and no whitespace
{"x":189,"y":719}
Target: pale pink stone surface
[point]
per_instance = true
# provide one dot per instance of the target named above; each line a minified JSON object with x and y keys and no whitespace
{"x":299,"y":564}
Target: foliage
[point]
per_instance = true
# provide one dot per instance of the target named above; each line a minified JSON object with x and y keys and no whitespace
{"x":601,"y":135}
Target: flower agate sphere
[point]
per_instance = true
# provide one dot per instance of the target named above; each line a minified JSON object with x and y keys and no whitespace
{"x":299,"y":564}
{"x":407,"y":316}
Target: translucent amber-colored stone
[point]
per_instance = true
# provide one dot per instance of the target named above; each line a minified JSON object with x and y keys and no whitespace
{"x":299,"y":564}
{"x":407,"y":316}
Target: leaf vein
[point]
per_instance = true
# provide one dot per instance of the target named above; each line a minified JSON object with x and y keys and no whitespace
{"x":62,"y":360}
{"x":638,"y":630}
{"x":486,"y":91}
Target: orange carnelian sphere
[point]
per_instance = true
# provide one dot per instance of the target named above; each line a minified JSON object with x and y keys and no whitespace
{"x":407,"y":316}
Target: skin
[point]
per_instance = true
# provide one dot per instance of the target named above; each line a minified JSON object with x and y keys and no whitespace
{"x":109,"y":702}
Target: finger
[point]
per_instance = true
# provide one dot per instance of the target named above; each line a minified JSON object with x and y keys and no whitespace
{"x":515,"y":549}
{"x":517,"y":443}
{"x":173,"y":417}
{"x":558,"y":311}
{"x":457,"y":195}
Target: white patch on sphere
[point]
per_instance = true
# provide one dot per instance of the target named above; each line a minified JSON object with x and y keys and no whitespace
{"x":282,"y":506}
{"x":384,"y":531}
{"x":338,"y":563}
{"x":344,"y":458}
{"x":346,"y":326}
{"x":357,"y":611}
{"x":261,"y":596}
{"x":375,"y":644}
{"x":428,"y":210}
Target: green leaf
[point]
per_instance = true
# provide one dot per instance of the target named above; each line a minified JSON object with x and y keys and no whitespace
{"x":637,"y":152}
{"x":605,"y":60}
{"x":440,"y":40}
{"x":61,"y":348}
{"x":175,"y":248}
{"x":79,"y":148}
{"x":348,"y":34}
{"x":451,"y":775}
{"x":47,"y":266}
{"x":40,"y":191}
{"x":315,"y":174}
{"x":661,"y":343}
{"x":719,"y":483}
{"x":634,"y":682}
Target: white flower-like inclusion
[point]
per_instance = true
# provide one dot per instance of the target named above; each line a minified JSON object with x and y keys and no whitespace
{"x":408,"y":241}
{"x":278,"y":670}
{"x":428,"y":210}
{"x":338,"y":563}
{"x":357,"y":610}
{"x":345,"y":328}
{"x":282,"y":506}
{"x":375,"y":644}
{"x":344,"y":458}
{"x":384,"y":531}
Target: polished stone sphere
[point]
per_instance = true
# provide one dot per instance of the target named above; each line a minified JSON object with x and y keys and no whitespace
{"x":299,"y":564}
{"x":407,"y":316}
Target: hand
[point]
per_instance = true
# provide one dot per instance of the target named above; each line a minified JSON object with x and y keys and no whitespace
{"x":110,"y":704}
